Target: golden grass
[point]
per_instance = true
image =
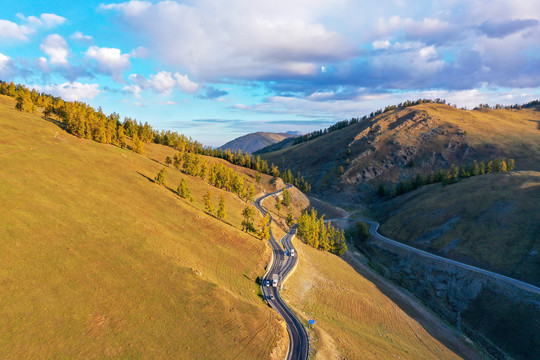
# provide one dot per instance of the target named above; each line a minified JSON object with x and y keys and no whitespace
{"x":353,"y":319}
{"x":100,"y":262}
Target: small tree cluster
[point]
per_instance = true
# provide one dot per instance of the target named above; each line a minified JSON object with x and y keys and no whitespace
{"x":450,"y":176}
{"x":313,"y":231}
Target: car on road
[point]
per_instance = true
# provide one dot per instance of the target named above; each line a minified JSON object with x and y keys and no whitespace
{"x":267,"y":282}
{"x":271,"y":297}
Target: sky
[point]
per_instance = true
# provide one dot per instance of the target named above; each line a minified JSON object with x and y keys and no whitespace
{"x":215,"y":70}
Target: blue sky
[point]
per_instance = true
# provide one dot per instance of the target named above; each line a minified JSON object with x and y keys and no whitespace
{"x":215,"y":70}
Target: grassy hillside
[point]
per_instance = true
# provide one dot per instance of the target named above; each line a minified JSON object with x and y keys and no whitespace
{"x":417,"y":139}
{"x":100,"y":262}
{"x":353,"y":319}
{"x":491,"y":221}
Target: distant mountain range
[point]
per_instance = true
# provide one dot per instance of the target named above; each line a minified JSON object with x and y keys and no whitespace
{"x":255,"y":141}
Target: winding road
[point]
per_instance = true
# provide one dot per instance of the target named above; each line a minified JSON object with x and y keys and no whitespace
{"x":283,"y":265}
{"x":373,"y":230}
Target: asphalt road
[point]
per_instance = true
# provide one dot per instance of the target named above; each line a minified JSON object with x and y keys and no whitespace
{"x":373,"y":230}
{"x":282,"y":265}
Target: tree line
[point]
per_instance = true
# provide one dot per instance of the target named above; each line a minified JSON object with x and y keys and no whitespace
{"x":447,"y":176}
{"x":313,"y":231}
{"x":86,"y":122}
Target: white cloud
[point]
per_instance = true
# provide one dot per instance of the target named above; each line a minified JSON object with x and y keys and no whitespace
{"x":79,"y":36}
{"x":213,"y":40}
{"x":56,"y":47}
{"x":185,"y":84}
{"x":163,"y":83}
{"x":109,"y":60}
{"x":9,"y":30}
{"x":381,"y":45}
{"x":6,"y":65}
{"x":74,"y":91}
{"x":51,"y":20}
{"x":133,"y":89}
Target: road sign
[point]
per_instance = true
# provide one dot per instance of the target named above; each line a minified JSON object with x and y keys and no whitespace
{"x":311,"y":322}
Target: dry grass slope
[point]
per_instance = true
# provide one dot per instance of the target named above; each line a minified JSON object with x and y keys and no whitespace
{"x":354,"y":320}
{"x":100,"y":262}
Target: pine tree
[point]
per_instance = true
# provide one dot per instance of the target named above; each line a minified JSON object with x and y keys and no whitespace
{"x":381,"y":191}
{"x":138,"y":145}
{"x":183,"y":190}
{"x":264,"y":231}
{"x":160,"y":177}
{"x":248,"y":213}
{"x":168,"y":161}
{"x":208,"y":205}
{"x":221,"y":214}
{"x":290,"y":219}
{"x":286,"y":198}
{"x":510,"y":164}
{"x":258,"y":177}
{"x":121,"y":137}
{"x":278,"y":204}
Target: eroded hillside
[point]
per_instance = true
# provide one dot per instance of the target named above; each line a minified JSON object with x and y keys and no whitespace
{"x":403,"y":142}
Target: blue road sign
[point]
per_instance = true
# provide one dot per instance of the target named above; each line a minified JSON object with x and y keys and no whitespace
{"x":311,"y":322}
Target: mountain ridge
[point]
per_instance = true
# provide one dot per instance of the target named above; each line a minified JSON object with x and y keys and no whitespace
{"x":252,"y":142}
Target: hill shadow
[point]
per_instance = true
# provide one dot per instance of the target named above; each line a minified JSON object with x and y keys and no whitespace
{"x":536,"y":121}
{"x":58,"y":123}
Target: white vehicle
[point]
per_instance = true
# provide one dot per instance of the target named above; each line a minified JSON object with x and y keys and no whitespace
{"x":267,"y":282}
{"x":292,"y":252}
{"x":275,"y":279}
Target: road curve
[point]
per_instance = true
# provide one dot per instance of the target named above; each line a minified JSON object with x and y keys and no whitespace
{"x":282,"y":266}
{"x":373,"y":230}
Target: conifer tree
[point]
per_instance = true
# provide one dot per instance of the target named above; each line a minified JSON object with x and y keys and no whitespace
{"x":264,"y":231}
{"x":221,"y":214}
{"x":510,"y":164}
{"x":138,"y":145}
{"x":183,"y":190}
{"x":121,"y":137}
{"x":286,"y":197}
{"x":168,"y":160}
{"x":208,"y":205}
{"x":278,"y":204}
{"x":290,"y":219}
{"x":248,"y":213}
{"x":160,"y":177}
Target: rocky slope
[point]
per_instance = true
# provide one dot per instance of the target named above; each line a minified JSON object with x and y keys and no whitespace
{"x":418,"y":139}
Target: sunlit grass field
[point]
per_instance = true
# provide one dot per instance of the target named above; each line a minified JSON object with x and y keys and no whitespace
{"x":97,"y":261}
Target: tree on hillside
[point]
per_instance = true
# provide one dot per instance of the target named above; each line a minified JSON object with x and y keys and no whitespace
{"x":290,"y":219}
{"x":278,"y":204}
{"x":221,"y":214}
{"x":121,"y":137}
{"x":247,"y":224}
{"x":250,"y":193}
{"x":208,"y":205}
{"x":168,"y":161}
{"x":160,"y":177}
{"x":258,"y":177}
{"x":183,"y":190}
{"x":381,"y":191}
{"x":510,"y":164}
{"x":286,"y":198}
{"x":138,"y":145}
{"x":264,"y":231}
